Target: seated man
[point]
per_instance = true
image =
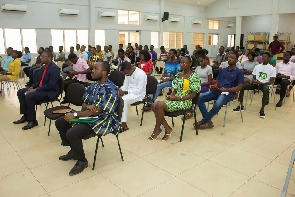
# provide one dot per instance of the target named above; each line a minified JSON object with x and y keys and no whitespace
{"x":101,"y":100}
{"x":46,"y":88}
{"x":229,"y":81}
{"x":285,"y":71}
{"x":32,"y":71}
{"x":95,"y":57}
{"x":263,"y":76}
{"x":120,"y":59}
{"x":133,"y":90}
{"x":172,"y":67}
{"x":78,"y":75}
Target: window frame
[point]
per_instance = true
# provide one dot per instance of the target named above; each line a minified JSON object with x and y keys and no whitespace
{"x":211,"y":41}
{"x":128,"y":37}
{"x":128,"y":17}
{"x":155,"y":43}
{"x":198,"y":39}
{"x":170,"y":39}
{"x":231,"y":40}
{"x":213,"y":24}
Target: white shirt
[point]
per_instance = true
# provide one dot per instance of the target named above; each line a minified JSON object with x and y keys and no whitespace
{"x":225,"y":65}
{"x":107,"y":55}
{"x":78,"y":52}
{"x":83,"y":55}
{"x":204,"y":72}
{"x":136,"y":83}
{"x":263,"y":73}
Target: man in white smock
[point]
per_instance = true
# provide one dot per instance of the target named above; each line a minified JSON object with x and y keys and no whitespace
{"x":133,"y":90}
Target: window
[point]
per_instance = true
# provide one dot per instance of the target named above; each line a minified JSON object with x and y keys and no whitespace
{"x":198,"y":39}
{"x":100,"y":37}
{"x":213,"y":24}
{"x":2,"y":47}
{"x":213,"y":39}
{"x":128,"y":17}
{"x":155,"y":39}
{"x":29,"y":39}
{"x":230,"y":40}
{"x":70,"y":39}
{"x":82,"y":37}
{"x":172,"y":39}
{"x":13,"y":39}
{"x":57,"y":38}
{"x":125,"y":37}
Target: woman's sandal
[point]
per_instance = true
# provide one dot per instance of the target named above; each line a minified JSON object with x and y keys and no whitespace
{"x":187,"y":116}
{"x":154,"y":136}
{"x":288,"y":94}
{"x":167,"y":136}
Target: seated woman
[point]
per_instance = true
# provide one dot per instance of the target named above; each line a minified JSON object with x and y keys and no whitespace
{"x":145,"y":62}
{"x":186,"y":85}
{"x":248,"y":67}
{"x":14,"y":68}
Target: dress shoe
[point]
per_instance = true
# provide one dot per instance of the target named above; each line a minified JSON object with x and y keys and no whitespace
{"x":21,"y":120}
{"x":78,"y":168}
{"x":30,"y":125}
{"x":280,"y":103}
{"x":68,"y":156}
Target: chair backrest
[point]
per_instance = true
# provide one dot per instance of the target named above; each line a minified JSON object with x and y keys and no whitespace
{"x":117,"y":77}
{"x":75,"y":93}
{"x":196,"y":99}
{"x":120,"y":107}
{"x":151,"y":85}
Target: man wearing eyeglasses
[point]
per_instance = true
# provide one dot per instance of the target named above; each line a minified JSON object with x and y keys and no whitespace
{"x":46,"y":88}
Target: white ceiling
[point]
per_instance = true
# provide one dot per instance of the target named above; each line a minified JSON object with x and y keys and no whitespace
{"x":195,"y":2}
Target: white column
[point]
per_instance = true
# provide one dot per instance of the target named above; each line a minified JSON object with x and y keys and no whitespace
{"x":238,"y":30}
{"x":92,"y":22}
{"x":161,"y":23}
{"x":274,"y":28}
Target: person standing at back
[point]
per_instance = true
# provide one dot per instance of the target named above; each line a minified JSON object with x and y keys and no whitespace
{"x":47,"y":88}
{"x":83,"y":54}
{"x":275,"y":46}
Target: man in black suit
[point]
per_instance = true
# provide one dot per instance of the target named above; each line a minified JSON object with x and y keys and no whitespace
{"x":46,"y":88}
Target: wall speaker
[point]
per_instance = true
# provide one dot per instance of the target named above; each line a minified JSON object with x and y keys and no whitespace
{"x":165,"y":16}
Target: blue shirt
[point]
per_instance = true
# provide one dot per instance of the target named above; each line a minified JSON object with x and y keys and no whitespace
{"x":7,"y":62}
{"x":154,"y":54}
{"x":230,"y":78}
{"x":89,"y":54}
{"x":26,"y":57}
{"x":186,"y":52}
{"x":171,"y":68}
{"x":105,"y":96}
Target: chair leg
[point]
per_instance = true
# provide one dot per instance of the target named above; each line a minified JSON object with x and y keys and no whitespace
{"x":225,"y":116}
{"x":196,"y":123}
{"x":49,"y":127}
{"x":172,"y":121}
{"x":247,"y":99}
{"x":182,"y":128}
{"x":95,"y":152}
{"x":288,"y":174}
{"x":136,"y":109}
{"x":102,"y":144}
{"x":241,"y":113}
{"x":119,"y":147}
{"x":142,"y":114}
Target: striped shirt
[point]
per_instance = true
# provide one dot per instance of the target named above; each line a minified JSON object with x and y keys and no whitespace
{"x":104,"y":96}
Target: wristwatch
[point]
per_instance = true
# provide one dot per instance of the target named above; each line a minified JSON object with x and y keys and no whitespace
{"x":75,"y":114}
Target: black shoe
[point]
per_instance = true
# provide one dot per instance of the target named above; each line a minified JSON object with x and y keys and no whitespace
{"x":64,"y":102}
{"x":238,"y":109}
{"x":21,"y":120}
{"x":30,"y":125}
{"x":68,"y":156}
{"x":147,"y":108}
{"x":262,"y":114}
{"x":279,"y":104}
{"x":78,"y":168}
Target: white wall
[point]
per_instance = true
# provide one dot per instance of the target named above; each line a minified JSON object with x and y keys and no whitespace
{"x":287,"y":24}
{"x":43,"y":15}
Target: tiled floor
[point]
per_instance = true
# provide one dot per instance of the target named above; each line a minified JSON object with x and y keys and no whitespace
{"x":246,"y":159}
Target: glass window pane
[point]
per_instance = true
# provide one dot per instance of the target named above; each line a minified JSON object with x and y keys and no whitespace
{"x":100,"y":37}
{"x":2,"y":47}
{"x":70,"y":39}
{"x":215,"y":40}
{"x":133,"y":18}
{"x":166,"y":39}
{"x":216,"y":25}
{"x":82,"y":37}
{"x":57,"y":38}
{"x":123,"y":38}
{"x":134,"y":38}
{"x":198,"y":39}
{"x":178,"y":40}
{"x":211,"y":24}
{"x":29,"y":39}
{"x":155,"y":39}
{"x":122,"y":17}
{"x":172,"y":39}
{"x":13,"y":39}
